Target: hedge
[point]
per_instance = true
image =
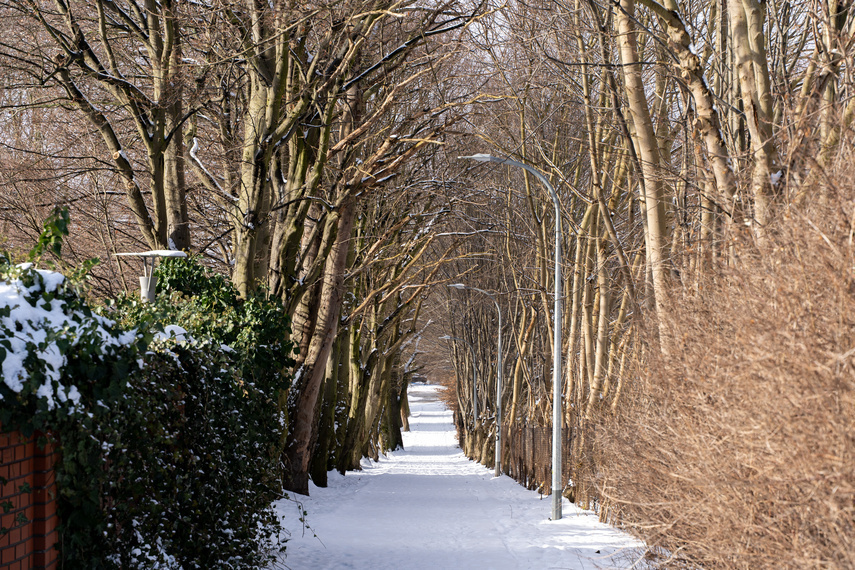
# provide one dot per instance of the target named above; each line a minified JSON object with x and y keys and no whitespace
{"x":169,"y":446}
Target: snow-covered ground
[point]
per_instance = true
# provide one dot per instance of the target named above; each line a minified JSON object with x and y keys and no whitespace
{"x":429,"y":507}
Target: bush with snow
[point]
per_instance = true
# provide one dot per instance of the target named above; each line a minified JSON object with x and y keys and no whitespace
{"x":192,"y":462}
{"x":214,"y":383}
{"x":53,"y":347}
{"x":169,"y":438}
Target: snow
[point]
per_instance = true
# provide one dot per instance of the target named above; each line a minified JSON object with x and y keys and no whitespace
{"x":430,"y":507}
{"x":775,"y":178}
{"x":33,"y":322}
{"x":174,"y":331}
{"x":37,"y":324}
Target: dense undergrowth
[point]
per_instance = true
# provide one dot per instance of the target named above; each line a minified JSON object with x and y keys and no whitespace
{"x":169,"y":445}
{"x":737,"y":451}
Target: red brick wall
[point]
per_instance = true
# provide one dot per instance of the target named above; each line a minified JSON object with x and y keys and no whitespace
{"x":28,"y":544}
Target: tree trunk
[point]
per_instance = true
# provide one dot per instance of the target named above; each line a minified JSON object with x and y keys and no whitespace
{"x":656,"y":234}
{"x":404,"y":405}
{"x":320,"y":462}
{"x":746,"y":27}
{"x":297,"y":452}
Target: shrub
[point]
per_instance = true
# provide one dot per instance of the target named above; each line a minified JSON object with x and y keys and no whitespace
{"x":222,"y":451}
{"x":190,"y":454}
{"x":169,"y":447}
{"x":208,"y":306}
{"x":57,"y":355}
{"x":738,"y":452}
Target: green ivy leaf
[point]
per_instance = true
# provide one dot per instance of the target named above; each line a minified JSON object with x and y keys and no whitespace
{"x":55,"y":229}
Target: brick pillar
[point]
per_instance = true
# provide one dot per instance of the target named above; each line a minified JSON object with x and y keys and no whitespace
{"x":27,"y":504}
{"x":45,"y":519}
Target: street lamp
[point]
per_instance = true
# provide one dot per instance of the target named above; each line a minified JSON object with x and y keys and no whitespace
{"x":498,"y":453}
{"x":148,"y":280}
{"x":557,"y":485}
{"x":474,"y":377}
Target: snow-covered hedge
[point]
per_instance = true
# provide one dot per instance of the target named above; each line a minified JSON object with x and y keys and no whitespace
{"x":192,"y":468}
{"x":52,"y":347}
{"x":169,"y":446}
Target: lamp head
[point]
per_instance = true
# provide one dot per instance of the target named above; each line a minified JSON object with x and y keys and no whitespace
{"x":479,"y":157}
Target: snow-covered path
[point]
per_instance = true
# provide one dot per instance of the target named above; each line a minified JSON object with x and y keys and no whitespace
{"x":430,"y":507}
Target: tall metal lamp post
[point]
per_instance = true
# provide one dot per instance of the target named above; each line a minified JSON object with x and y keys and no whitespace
{"x":498,"y":453}
{"x":557,"y":485}
{"x":474,"y":377}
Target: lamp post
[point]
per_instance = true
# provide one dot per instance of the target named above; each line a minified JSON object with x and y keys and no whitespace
{"x":498,"y":453}
{"x":557,"y":485}
{"x":474,"y":377}
{"x":148,"y":280}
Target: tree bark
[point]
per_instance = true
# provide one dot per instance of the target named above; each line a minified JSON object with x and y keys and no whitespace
{"x":656,"y":233}
{"x":297,"y":452}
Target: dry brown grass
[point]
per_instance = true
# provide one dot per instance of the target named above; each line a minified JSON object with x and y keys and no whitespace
{"x":740,"y":451}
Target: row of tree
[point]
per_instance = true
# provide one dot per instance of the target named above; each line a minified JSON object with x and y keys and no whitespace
{"x":289,"y":143}
{"x":309,"y":149}
{"x":681,"y":138}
